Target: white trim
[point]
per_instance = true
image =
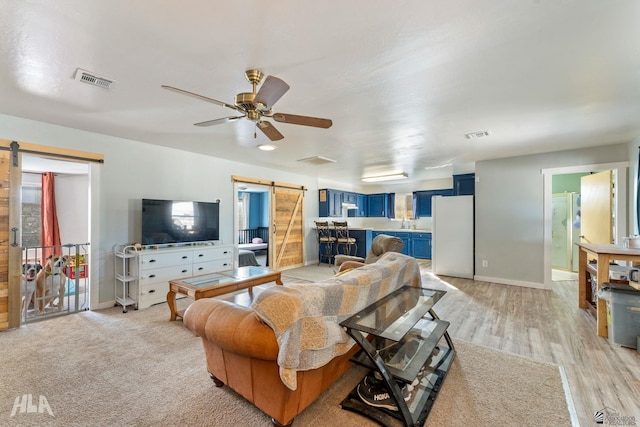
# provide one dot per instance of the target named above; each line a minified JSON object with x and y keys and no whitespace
{"x":620,"y":170}
{"x":584,"y":168}
{"x":568,"y":397}
{"x":503,"y":281}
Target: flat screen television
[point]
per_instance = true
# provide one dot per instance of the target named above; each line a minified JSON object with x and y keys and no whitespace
{"x":175,"y":221}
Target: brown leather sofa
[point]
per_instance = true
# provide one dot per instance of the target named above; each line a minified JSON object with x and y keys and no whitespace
{"x":380,"y":245}
{"x":242,"y":351}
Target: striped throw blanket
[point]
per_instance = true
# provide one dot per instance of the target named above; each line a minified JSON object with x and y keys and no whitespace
{"x":306,"y":317}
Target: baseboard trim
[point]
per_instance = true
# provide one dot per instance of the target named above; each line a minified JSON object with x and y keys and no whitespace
{"x":503,"y":281}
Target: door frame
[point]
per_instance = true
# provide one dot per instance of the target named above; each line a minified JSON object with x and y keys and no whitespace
{"x":14,"y":255}
{"x":620,"y":172}
{"x":239,"y":180}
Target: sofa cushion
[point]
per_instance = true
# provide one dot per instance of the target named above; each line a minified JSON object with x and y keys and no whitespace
{"x":306,"y":317}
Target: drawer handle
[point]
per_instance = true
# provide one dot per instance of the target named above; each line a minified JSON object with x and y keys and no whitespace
{"x":184,"y":257}
{"x":226,"y":252}
{"x":184,"y":271}
{"x":152,"y":260}
{"x":200,"y":255}
{"x":201,"y":268}
{"x":225,"y":264}
{"x":151,"y":276}
{"x":151,"y":291}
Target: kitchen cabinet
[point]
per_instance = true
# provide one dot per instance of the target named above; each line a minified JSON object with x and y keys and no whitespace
{"x":421,"y":245}
{"x":416,"y":244}
{"x":422,"y":201}
{"x":361,"y":202}
{"x":406,"y":239}
{"x":330,"y":203}
{"x":464,"y":184}
{"x":377,"y":205}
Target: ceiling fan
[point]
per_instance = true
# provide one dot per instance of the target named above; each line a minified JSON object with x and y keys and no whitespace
{"x":256,"y":106}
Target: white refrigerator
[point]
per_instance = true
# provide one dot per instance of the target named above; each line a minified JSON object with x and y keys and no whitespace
{"x":452,"y":251}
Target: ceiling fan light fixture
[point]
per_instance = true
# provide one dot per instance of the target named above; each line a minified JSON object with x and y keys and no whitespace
{"x":267,"y":147}
{"x":390,"y":177}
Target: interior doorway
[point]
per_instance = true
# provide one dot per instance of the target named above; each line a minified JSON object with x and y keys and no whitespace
{"x":619,"y":175}
{"x":253,"y":205}
{"x":69,"y":276}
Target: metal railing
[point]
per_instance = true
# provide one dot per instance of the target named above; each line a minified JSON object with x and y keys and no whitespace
{"x":54,"y":281}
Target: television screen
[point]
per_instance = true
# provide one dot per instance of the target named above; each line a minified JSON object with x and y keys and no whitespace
{"x":172,"y":221}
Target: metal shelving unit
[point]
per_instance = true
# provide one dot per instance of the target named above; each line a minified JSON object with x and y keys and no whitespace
{"x":123,"y":254}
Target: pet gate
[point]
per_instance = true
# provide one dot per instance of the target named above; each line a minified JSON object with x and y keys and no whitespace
{"x":54,"y":281}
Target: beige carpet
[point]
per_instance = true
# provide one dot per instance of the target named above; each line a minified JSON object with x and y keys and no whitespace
{"x":106,"y":368}
{"x":312,"y":273}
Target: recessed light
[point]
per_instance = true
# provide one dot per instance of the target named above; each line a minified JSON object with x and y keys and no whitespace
{"x":267,"y":147}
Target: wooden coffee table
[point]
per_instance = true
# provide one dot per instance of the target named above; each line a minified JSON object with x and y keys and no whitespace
{"x":219,"y":283}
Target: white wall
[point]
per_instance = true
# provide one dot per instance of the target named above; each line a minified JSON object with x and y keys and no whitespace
{"x":510,"y":211}
{"x":133,"y":170}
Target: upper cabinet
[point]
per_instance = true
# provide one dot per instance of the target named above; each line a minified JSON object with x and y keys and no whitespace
{"x":422,"y":201}
{"x":464,"y":184}
{"x":377,"y":205}
{"x":329,"y":203}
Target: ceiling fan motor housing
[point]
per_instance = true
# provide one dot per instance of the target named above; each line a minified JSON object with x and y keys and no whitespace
{"x":245,"y":101}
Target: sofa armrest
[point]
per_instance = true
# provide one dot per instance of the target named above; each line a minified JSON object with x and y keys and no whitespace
{"x":232,"y":327}
{"x":339,"y":259}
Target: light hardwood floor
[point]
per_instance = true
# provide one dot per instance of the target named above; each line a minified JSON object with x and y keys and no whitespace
{"x":546,"y":326}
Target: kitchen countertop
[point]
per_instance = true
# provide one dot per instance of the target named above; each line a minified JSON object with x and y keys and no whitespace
{"x":395,"y":230}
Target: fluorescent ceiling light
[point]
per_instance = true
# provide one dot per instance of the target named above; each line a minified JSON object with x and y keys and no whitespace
{"x":267,"y":147}
{"x":391,"y":177}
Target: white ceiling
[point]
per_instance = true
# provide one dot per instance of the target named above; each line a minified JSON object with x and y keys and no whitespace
{"x":403,"y":82}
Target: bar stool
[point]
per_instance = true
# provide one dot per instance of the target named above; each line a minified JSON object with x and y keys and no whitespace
{"x":342,"y":238}
{"x":325,"y":241}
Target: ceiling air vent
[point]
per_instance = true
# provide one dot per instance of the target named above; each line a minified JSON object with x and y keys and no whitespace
{"x":317,"y":160}
{"x":94,"y":79}
{"x":479,"y":134}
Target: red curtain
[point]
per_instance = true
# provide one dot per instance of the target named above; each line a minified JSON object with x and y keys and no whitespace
{"x":50,"y":230}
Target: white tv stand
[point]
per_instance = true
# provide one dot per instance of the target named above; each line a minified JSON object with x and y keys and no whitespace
{"x":152,"y":266}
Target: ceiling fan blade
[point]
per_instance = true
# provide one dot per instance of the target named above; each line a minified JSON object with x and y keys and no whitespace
{"x":302,"y":120}
{"x":218,"y":121}
{"x":270,"y":92}
{"x":201,"y":97}
{"x":268,"y":129}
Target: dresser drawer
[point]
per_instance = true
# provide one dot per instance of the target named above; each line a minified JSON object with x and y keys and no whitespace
{"x":165,"y":274}
{"x":212,"y":266}
{"x":211,"y":253}
{"x":159,"y":260}
{"x":153,"y":294}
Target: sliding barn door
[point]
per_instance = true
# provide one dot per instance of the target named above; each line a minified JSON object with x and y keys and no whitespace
{"x":287,"y":243}
{"x":10,"y":293}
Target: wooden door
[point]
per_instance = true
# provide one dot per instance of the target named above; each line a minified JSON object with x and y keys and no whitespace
{"x":596,"y":208}
{"x":10,"y":293}
{"x":286,"y":246}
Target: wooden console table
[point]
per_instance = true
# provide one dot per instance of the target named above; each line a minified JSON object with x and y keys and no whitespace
{"x":604,"y":255}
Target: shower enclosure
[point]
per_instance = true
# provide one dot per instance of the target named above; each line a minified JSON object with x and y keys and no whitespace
{"x":565,"y":231}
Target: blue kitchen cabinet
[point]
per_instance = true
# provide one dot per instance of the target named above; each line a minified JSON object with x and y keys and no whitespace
{"x":377,"y":205}
{"x":329,"y":203}
{"x":421,"y":245}
{"x":361,"y":203}
{"x":406,"y":239}
{"x":422,"y":201}
{"x":464,"y":184}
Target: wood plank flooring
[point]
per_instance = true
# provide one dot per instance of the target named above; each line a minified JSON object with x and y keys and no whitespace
{"x":544,"y":325}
